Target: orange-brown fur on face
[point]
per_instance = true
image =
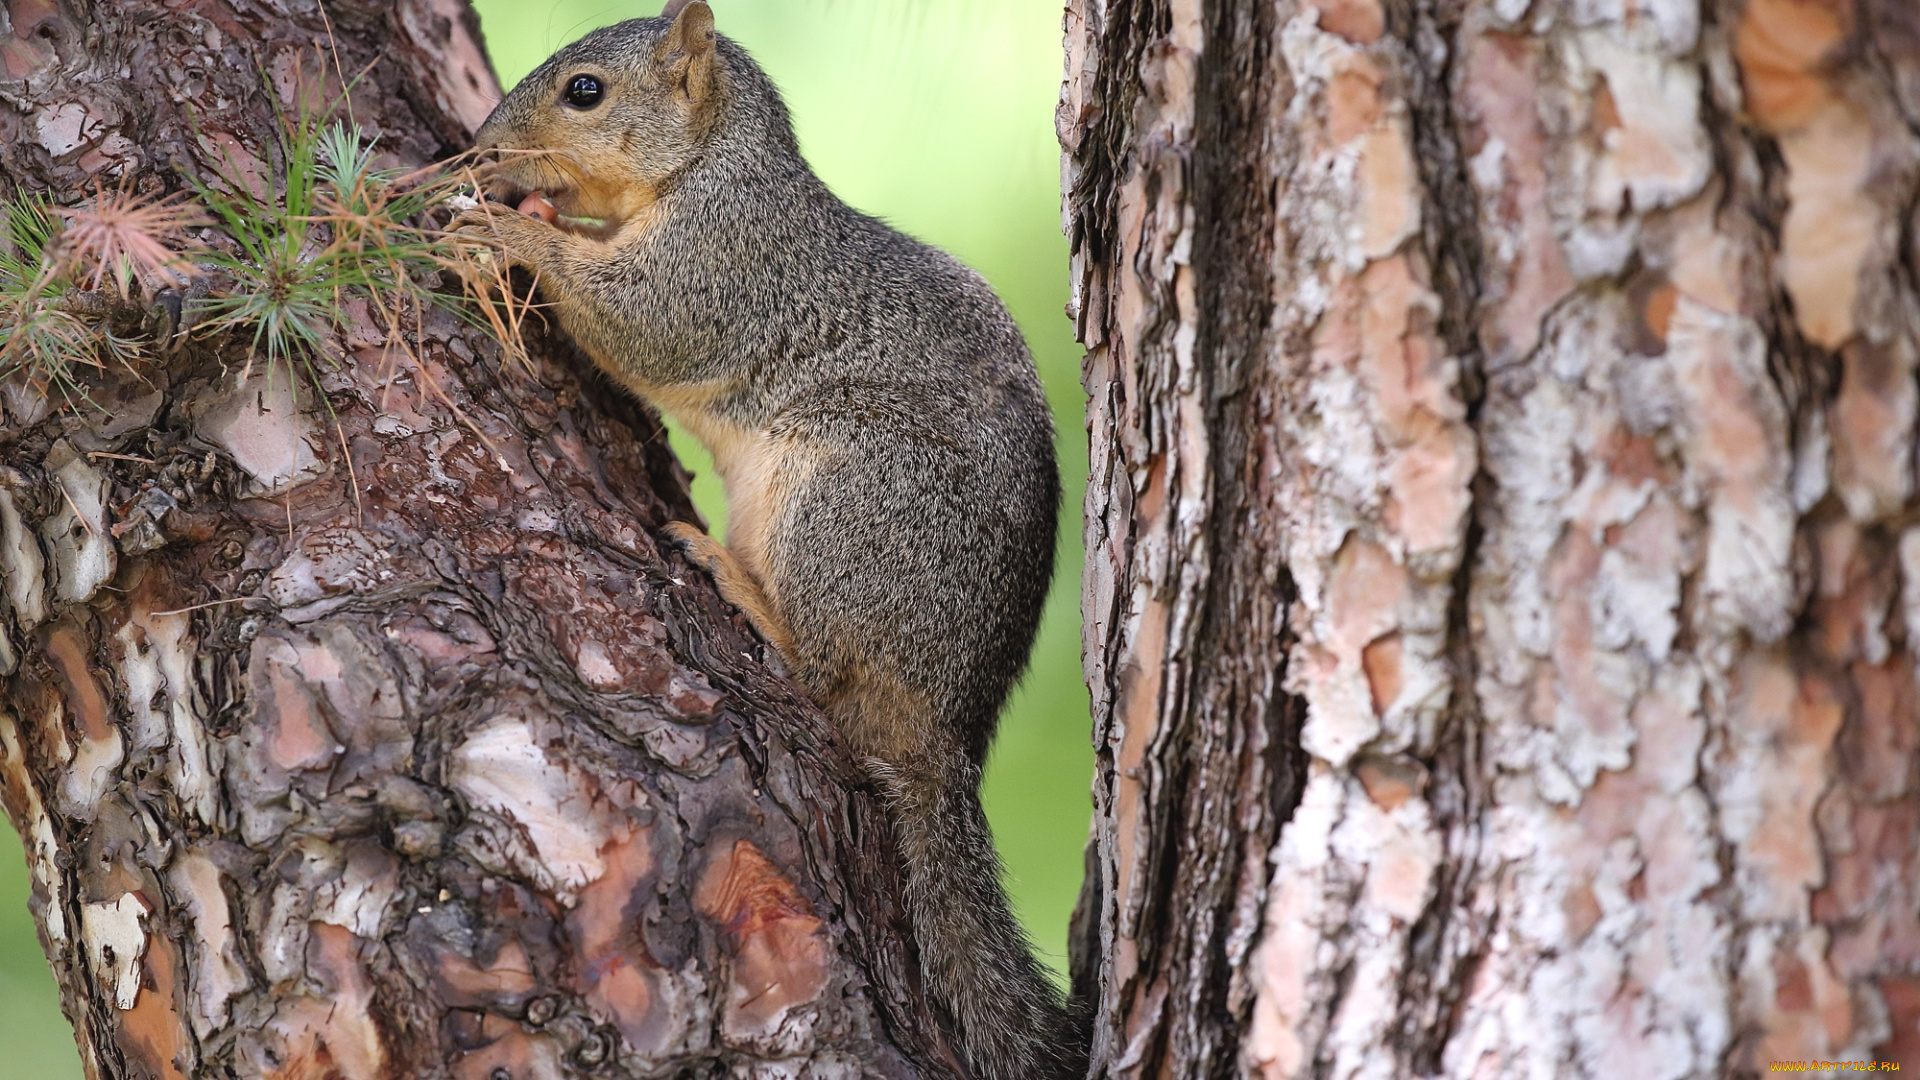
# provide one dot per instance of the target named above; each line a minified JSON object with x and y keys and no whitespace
{"x":607,"y":161}
{"x":581,"y":188}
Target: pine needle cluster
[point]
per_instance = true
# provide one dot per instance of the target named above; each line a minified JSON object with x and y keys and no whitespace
{"x":276,"y":266}
{"x":60,"y":271}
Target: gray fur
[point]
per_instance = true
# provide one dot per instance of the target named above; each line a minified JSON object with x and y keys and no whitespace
{"x":912,"y":564}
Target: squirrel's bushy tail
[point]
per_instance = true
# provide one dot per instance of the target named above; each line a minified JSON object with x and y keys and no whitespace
{"x":974,"y":956}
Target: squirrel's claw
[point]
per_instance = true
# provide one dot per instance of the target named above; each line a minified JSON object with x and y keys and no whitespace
{"x":736,"y":583}
{"x":691,"y":541}
{"x":521,"y":239}
{"x":478,"y":222}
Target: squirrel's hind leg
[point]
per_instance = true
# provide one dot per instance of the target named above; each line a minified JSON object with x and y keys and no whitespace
{"x":736,"y":583}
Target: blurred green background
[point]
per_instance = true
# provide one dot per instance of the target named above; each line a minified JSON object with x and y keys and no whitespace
{"x":936,"y":115}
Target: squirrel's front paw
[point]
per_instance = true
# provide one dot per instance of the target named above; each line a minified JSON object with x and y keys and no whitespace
{"x":520,"y":236}
{"x":736,"y":583}
{"x":700,"y":549}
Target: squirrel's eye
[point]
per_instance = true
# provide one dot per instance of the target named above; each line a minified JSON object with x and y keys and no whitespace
{"x":583,"y":91}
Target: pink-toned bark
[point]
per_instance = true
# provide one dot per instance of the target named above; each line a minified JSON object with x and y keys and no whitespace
{"x":1566,"y":356}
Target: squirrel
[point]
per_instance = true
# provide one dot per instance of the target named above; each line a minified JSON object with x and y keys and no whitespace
{"x":877,"y":422}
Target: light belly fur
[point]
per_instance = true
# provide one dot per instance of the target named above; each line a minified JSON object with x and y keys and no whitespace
{"x":757,"y":471}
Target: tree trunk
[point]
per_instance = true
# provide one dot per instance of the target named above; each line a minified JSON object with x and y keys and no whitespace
{"x":381,"y":737}
{"x":1503,"y":577}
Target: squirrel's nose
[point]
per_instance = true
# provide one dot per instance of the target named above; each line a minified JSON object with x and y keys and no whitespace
{"x":491,"y":130}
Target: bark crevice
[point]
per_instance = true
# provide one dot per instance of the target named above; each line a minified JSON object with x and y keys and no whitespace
{"x":1445,"y":944}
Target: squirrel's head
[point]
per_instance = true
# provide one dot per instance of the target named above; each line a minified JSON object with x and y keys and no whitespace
{"x":607,"y":120}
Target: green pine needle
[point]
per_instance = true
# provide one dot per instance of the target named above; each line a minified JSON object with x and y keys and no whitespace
{"x":338,"y":228}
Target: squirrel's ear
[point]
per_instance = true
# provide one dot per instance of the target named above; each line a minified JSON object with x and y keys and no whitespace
{"x":688,"y":49}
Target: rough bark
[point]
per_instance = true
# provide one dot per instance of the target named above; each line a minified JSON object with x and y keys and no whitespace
{"x":1503,"y":592}
{"x":384,"y":738}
